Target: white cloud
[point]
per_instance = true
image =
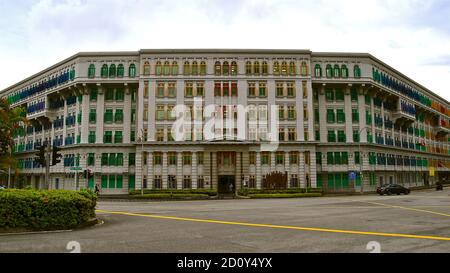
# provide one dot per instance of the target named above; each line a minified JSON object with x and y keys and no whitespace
{"x":397,"y":31}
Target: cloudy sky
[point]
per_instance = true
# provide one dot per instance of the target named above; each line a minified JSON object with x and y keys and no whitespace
{"x":410,"y":35}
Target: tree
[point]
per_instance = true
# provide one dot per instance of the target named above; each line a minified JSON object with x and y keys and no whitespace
{"x":11,"y":120}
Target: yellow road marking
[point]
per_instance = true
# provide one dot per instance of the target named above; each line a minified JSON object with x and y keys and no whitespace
{"x":410,"y":236}
{"x":406,"y":208}
{"x":367,"y":207}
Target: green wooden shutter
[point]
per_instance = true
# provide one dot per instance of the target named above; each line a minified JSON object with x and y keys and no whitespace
{"x":132,"y":182}
{"x":112,"y":182}
{"x":119,"y":181}
{"x":319,"y":181}
{"x":104,"y":181}
{"x":91,"y":183}
{"x":330,"y":181}
{"x":119,"y":159}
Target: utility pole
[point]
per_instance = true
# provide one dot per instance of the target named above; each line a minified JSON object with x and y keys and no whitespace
{"x":47,"y":166}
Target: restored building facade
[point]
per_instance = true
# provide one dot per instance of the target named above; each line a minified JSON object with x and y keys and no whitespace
{"x":338,"y":115}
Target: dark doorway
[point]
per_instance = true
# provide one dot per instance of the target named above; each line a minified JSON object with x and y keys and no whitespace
{"x":227,"y":184}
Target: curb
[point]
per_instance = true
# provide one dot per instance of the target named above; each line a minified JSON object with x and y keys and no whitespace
{"x":90,"y":223}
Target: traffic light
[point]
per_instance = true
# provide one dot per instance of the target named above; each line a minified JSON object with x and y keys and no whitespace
{"x":55,"y":155}
{"x":41,"y":156}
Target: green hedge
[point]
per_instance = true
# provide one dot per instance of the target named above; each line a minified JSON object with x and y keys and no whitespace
{"x":208,"y":192}
{"x":45,"y":210}
{"x":172,"y":196}
{"x":246,"y":192}
{"x":285,"y":195}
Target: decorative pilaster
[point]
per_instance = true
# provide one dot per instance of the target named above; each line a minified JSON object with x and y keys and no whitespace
{"x":127,"y":116}
{"x":100,"y":114}
{"x":258,"y":170}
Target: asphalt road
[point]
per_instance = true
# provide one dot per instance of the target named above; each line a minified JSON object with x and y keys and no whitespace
{"x":419,"y":222}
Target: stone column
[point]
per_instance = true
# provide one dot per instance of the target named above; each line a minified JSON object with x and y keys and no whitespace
{"x":165,"y":171}
{"x":127,"y":115}
{"x":214,"y":170}
{"x":310,"y":111}
{"x":238,"y":170}
{"x":348,"y":115}
{"x":180,"y":166}
{"x":299,"y":110}
{"x":151,"y":111}
{"x":272,"y":162}
{"x":100,"y":114}
{"x":322,"y":115}
{"x":258,"y":170}
{"x":140,"y":109}
{"x":362,"y":116}
{"x":138,"y":173}
{"x":313,"y":169}
{"x":150,"y":170}
{"x":194,"y":174}
{"x":287,"y":167}
{"x":301,"y":172}
{"x":65,"y":117}
{"x":85,"y":116}
{"x":77,"y":125}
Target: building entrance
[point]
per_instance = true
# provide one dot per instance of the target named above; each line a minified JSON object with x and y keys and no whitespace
{"x":227,"y":184}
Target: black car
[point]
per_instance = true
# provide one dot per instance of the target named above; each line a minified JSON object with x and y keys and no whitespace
{"x":392,"y":189}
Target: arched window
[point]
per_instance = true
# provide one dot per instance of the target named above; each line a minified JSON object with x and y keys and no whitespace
{"x":166,"y":68}
{"x":91,"y":71}
{"x":344,"y":71}
{"x":248,"y":68}
{"x":256,"y":68}
{"x":265,"y":68}
{"x":194,"y":68}
{"x":120,"y":71}
{"x":318,"y":71}
{"x":337,"y":71}
{"x":226,"y":68}
{"x":284,"y":68}
{"x":132,"y":71}
{"x":146,"y":68}
{"x":174,"y":69}
{"x":104,"y":72}
{"x":234,"y":68}
{"x":357,"y":71}
{"x":329,"y":71}
{"x":112,"y":71}
{"x":203,"y":68}
{"x":187,"y":68}
{"x":304,"y":69}
{"x":217,"y":69}
{"x":292,"y":69}
{"x":158,"y":68}
{"x":276,"y":68}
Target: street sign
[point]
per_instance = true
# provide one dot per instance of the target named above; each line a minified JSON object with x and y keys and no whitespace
{"x":352,"y":175}
{"x":76,"y":169}
{"x":432,"y":171}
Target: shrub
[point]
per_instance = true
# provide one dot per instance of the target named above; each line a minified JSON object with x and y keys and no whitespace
{"x":285,"y":195}
{"x":46,"y":210}
{"x":172,"y":196}
{"x":208,"y":192}
{"x":247,"y":191}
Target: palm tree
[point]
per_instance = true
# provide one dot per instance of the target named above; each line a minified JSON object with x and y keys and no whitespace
{"x":11,"y":120}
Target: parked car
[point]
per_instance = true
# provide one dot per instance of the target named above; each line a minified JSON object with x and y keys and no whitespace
{"x":392,"y":189}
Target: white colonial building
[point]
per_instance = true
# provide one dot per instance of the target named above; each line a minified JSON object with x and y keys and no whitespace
{"x":337,"y":115}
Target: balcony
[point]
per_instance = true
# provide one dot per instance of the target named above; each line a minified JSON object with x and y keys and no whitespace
{"x":405,"y":113}
{"x":442,"y":128}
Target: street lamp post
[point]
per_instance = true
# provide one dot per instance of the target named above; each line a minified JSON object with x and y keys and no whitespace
{"x":142,"y":161}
